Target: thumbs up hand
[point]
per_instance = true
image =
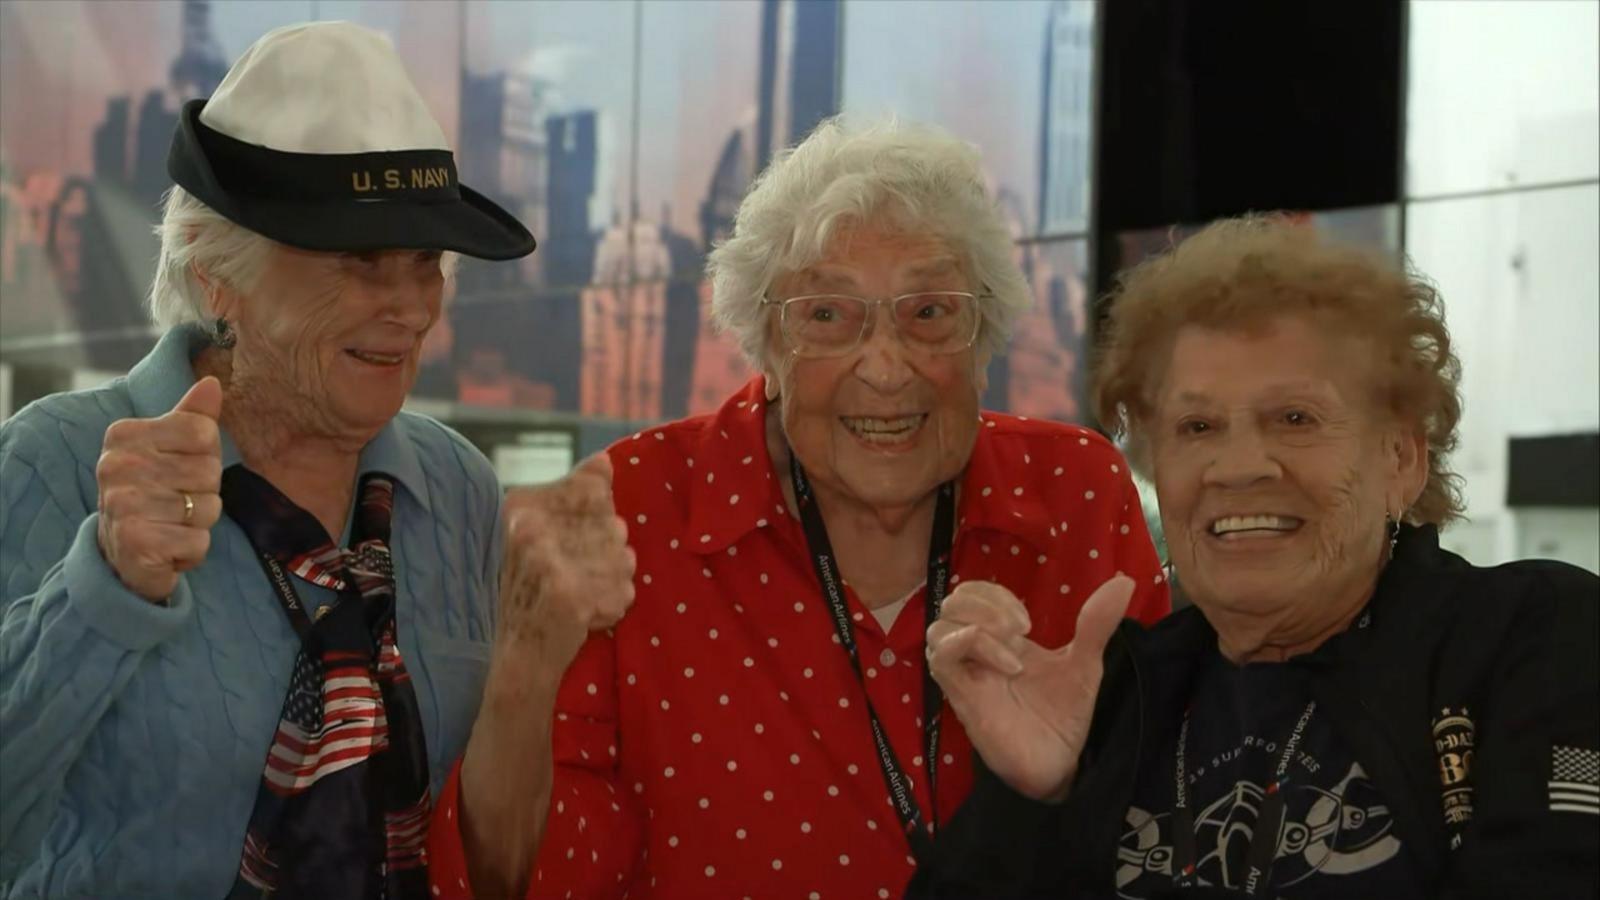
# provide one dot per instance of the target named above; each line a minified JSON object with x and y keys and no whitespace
{"x":568,"y":569}
{"x":159,"y":481}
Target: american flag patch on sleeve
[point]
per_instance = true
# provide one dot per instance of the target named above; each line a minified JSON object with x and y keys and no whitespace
{"x":1575,"y":780}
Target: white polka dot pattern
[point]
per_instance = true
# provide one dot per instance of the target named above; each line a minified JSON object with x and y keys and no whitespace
{"x":716,"y":742}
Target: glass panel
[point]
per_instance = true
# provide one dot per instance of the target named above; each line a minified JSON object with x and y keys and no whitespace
{"x":89,"y":96}
{"x":1570,"y":535}
{"x":702,"y":116}
{"x":1520,"y":282}
{"x":1502,"y":93}
{"x":99,"y":86}
{"x":1012,"y":76}
{"x":1043,"y":373}
{"x":539,"y":101}
{"x":1554,"y":373}
{"x":546,"y":102}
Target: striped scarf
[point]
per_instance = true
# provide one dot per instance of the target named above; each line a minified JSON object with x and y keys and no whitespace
{"x":343,"y":805}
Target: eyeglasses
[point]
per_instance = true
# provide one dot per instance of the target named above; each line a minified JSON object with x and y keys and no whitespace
{"x":830,"y":325}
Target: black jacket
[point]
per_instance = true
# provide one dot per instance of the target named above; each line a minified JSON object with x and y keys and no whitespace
{"x":1515,"y":646}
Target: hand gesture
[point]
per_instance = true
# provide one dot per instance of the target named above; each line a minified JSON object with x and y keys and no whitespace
{"x":158,"y":482}
{"x":1027,"y":709}
{"x":568,"y":569}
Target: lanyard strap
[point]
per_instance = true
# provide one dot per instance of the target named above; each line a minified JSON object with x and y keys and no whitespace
{"x":1263,"y":850}
{"x":894,"y":776}
{"x":287,"y":595}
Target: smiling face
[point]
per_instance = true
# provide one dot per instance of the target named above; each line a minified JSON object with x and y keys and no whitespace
{"x":888,"y":423}
{"x":336,"y":339}
{"x":1276,"y":467}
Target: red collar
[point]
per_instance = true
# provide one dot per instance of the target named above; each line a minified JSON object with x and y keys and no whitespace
{"x":731,"y":486}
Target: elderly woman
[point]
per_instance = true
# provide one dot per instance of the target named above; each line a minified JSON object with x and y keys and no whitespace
{"x":1348,"y":710}
{"x":761,"y":722}
{"x":247,"y":601}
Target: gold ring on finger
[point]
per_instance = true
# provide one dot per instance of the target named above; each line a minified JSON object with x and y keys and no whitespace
{"x":188,"y":507}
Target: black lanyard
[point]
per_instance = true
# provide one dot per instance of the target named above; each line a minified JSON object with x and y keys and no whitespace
{"x":287,"y":595}
{"x":1263,"y":850}
{"x":894,"y":776}
{"x":276,"y":528}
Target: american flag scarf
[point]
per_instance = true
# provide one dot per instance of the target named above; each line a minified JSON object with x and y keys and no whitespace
{"x":342,"y":809}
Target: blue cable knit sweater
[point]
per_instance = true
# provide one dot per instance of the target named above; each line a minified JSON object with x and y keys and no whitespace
{"x":132,"y":736}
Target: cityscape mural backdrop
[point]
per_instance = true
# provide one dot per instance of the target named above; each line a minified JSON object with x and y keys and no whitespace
{"x":624,"y":133}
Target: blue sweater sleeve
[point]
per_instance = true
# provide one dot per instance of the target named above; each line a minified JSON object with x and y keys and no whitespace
{"x":71,"y":634}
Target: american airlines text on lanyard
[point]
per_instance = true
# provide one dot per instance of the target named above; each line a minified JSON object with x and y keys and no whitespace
{"x":1263,"y":850}
{"x":894,"y":775}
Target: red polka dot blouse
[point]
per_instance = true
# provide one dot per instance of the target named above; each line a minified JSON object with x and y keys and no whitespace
{"x":717,"y":744}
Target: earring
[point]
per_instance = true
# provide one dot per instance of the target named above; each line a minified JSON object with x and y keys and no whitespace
{"x":1393,"y":524}
{"x":222,"y":334}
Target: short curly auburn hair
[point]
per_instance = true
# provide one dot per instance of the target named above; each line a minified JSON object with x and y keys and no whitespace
{"x":1241,"y":272}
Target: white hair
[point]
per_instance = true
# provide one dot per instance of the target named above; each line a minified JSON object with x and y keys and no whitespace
{"x":914,"y":178}
{"x":195,"y":236}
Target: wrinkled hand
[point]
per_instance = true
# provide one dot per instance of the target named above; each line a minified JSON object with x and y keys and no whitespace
{"x":568,"y":569}
{"x":1027,"y":709}
{"x":146,"y":467}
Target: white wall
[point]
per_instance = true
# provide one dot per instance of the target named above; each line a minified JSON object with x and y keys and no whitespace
{"x":1570,"y":535}
{"x":1506,"y":95}
{"x":1501,"y":93}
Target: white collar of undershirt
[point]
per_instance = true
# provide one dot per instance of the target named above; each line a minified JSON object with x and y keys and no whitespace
{"x":887,"y":614}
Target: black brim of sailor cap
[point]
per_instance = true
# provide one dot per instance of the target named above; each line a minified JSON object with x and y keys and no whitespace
{"x":342,"y":202}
